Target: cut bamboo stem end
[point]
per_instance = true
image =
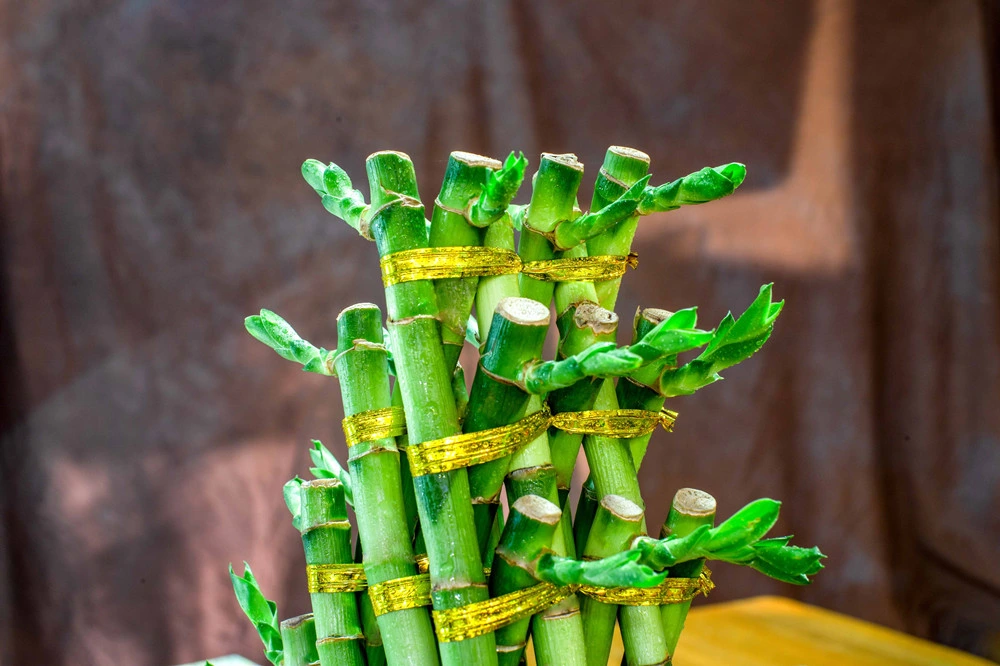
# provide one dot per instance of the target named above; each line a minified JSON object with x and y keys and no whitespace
{"x":298,"y":639}
{"x":690,"y":510}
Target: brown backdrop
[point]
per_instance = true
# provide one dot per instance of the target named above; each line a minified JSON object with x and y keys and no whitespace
{"x":150,"y":198}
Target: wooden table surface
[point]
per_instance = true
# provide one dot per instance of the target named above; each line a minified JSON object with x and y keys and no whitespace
{"x":773,"y":631}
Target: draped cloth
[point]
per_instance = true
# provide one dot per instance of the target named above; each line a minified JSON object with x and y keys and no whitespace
{"x":150,"y":198}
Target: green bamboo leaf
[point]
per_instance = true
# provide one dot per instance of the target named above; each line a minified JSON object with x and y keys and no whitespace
{"x":276,"y":333}
{"x":312,"y":171}
{"x":735,"y":340}
{"x":261,"y":611}
{"x":337,"y":193}
{"x":702,"y":186}
{"x":328,"y":467}
{"x":619,"y":570}
{"x":570,"y":233}
{"x":292,"y":492}
{"x":501,"y":187}
{"x":668,"y":338}
{"x":472,"y":332}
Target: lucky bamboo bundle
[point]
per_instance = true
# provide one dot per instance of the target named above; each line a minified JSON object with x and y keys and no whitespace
{"x":441,"y":573}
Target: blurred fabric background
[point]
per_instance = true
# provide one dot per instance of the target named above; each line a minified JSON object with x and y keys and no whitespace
{"x":150,"y":198}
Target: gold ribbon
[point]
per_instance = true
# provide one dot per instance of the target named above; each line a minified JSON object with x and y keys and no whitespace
{"x":400,"y":594}
{"x":616,"y":423}
{"x":670,"y":591}
{"x":448,"y":453}
{"x":374,"y":424}
{"x":482,"y":617}
{"x":333,"y":578}
{"x":436,"y":263}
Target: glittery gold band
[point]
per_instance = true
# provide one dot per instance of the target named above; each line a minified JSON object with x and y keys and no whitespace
{"x":448,"y":453}
{"x":400,"y":594}
{"x":617,"y":423}
{"x":436,"y":263}
{"x":375,"y":424}
{"x":458,"y":624}
{"x":331,"y":578}
{"x":670,"y":591}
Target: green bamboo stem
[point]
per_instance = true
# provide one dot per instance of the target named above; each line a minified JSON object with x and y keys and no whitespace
{"x":407,"y":635}
{"x":516,"y":337}
{"x":586,"y":509}
{"x":530,"y":527}
{"x":326,"y":539}
{"x":492,"y":290}
{"x":690,"y":509}
{"x":443,"y":500}
{"x":464,"y":179}
{"x":298,"y":638}
{"x":553,"y":199}
{"x":635,"y":395}
{"x":616,"y":523}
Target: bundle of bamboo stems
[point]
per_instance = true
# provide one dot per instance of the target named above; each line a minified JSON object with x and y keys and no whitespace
{"x":442,"y":572}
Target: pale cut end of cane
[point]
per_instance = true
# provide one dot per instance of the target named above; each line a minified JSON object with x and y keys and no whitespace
{"x":538,"y":508}
{"x":653,"y":315}
{"x":566,"y":159}
{"x":358,"y":306}
{"x":622,"y":507}
{"x":625,"y":151}
{"x":472,"y":159}
{"x":390,"y":152}
{"x":321,"y":483}
{"x":593,"y":316}
{"x":295,"y":622}
{"x":524,"y":311}
{"x":693,"y":502}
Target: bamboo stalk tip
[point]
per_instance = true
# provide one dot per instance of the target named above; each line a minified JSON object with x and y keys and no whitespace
{"x":321,"y":483}
{"x":655,"y":315}
{"x":693,"y":502}
{"x":294,"y":622}
{"x":397,"y":153}
{"x":565,"y":159}
{"x":622,"y":507}
{"x":598,"y":319}
{"x":632,"y":153}
{"x":358,"y":306}
{"x":474,"y":160}
{"x":524,"y":311}
{"x":538,"y":509}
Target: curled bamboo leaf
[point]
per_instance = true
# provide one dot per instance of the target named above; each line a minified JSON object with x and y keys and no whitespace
{"x":669,"y":338}
{"x":500,"y":188}
{"x":620,"y":570}
{"x":738,"y":540}
{"x":292,"y":492}
{"x":337,"y":193}
{"x":328,"y":467}
{"x":261,"y":611}
{"x":275,"y":332}
{"x":735,"y":340}
{"x":702,"y":186}
{"x":570,"y":233}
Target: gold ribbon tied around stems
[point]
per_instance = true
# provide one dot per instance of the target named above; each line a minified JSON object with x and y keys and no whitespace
{"x":400,"y":594}
{"x":615,"y":423}
{"x":334,"y":578}
{"x":437,"y":263}
{"x":449,"y":453}
{"x":482,"y":617}
{"x":670,"y":591}
{"x":374,"y":424}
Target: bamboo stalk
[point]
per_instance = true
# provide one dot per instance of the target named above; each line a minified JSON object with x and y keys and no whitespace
{"x":690,"y":510}
{"x":530,"y":528}
{"x":586,"y":509}
{"x":298,"y":639}
{"x":464,"y":179}
{"x":326,"y":539}
{"x":617,"y":522}
{"x":516,"y":337}
{"x":407,"y":635}
{"x":443,"y":500}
